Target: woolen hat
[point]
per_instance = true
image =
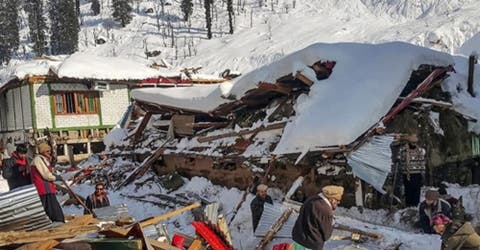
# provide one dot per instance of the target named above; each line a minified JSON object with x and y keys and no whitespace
{"x":262,"y":187}
{"x":43,"y":147}
{"x":432,"y":195}
{"x":21,"y":148}
{"x":333,"y":191}
{"x":439,"y":219}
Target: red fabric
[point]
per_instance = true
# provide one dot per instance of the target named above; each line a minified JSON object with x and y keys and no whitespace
{"x":215,"y":242}
{"x":439,"y":219}
{"x":281,"y":246}
{"x":178,"y":241}
{"x":43,"y":186}
{"x":19,"y":161}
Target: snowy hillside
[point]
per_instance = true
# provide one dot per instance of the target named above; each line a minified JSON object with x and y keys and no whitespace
{"x":267,"y":32}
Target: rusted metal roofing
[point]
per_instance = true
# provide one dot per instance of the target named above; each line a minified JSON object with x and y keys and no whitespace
{"x":21,"y":209}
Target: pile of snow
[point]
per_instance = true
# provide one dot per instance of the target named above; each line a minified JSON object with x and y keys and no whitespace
{"x":89,"y":66}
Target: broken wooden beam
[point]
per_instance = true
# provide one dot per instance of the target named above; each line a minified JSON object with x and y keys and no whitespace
{"x":357,"y":231}
{"x":471,"y":68}
{"x":7,"y":238}
{"x":303,"y":78}
{"x":142,"y":126}
{"x":157,"y":219}
{"x":242,"y":132}
{"x":275,"y":88}
{"x":273,"y":230}
{"x":41,"y":245}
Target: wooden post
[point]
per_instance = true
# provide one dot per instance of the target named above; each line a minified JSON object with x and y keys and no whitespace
{"x":358,"y":193}
{"x":471,"y":69}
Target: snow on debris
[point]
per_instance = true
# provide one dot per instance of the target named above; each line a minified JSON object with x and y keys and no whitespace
{"x":198,"y":97}
{"x":364,"y":85}
{"x":81,"y":65}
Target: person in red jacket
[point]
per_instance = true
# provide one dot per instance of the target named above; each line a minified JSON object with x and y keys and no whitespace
{"x":21,"y":171}
{"x":42,"y":176}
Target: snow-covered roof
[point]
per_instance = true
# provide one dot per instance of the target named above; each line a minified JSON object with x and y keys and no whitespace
{"x":82,"y":66}
{"x":21,"y":69}
{"x":198,"y":97}
{"x":364,"y":85}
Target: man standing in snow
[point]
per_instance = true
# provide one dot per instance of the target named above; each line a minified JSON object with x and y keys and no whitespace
{"x":314,"y":224}
{"x":42,"y":176}
{"x":430,"y":206}
{"x":256,"y":206}
{"x":98,"y":199}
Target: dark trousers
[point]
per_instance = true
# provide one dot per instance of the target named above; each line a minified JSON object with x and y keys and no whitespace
{"x":412,"y":186}
{"x":52,"y":207}
{"x":18,"y":181}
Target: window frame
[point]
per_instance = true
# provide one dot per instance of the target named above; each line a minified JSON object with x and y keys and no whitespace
{"x":85,"y":93}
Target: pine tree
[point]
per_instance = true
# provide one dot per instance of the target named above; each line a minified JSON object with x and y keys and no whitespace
{"x":9,"y":32}
{"x":230,"y":15}
{"x":55,"y":34}
{"x":187,"y":8}
{"x":37,"y":25}
{"x":208,"y":18}
{"x":121,"y":11}
{"x":64,"y":27}
{"x":95,"y":7}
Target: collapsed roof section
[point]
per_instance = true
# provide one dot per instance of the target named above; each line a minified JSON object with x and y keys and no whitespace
{"x":366,"y":82}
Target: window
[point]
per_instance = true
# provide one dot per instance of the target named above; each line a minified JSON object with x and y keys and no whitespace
{"x":81,"y":102}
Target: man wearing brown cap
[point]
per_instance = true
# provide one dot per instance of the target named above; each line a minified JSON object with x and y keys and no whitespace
{"x":431,"y":206}
{"x":314,"y":224}
{"x":42,"y":176}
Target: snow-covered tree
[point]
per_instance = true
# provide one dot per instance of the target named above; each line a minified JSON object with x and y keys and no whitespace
{"x":37,"y":26}
{"x":208,"y":17}
{"x":95,"y":7}
{"x":187,"y":8}
{"x":64,"y":27}
{"x":230,"y":15}
{"x":9,"y":36}
{"x":121,"y":11}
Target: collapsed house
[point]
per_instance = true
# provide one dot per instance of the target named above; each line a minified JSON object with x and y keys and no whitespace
{"x":328,"y":113}
{"x":75,"y":101}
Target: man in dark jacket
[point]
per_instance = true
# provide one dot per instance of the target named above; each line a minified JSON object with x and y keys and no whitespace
{"x":98,"y":199}
{"x":430,"y":206}
{"x":256,"y":206}
{"x":455,"y":234}
{"x":19,"y":170}
{"x":314,"y":224}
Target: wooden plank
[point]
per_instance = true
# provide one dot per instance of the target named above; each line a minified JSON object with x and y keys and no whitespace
{"x":157,"y":245}
{"x":142,"y":126}
{"x":196,"y":245}
{"x":123,"y":244}
{"x":41,"y":245}
{"x":157,"y":219}
{"x":242,"y":132}
{"x":303,"y":78}
{"x":80,"y":220}
{"x":7,"y":238}
{"x":357,"y":231}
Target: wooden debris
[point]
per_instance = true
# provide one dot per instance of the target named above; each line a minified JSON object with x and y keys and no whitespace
{"x":157,"y":245}
{"x":357,"y":231}
{"x":41,"y":245}
{"x":157,"y":219}
{"x":273,"y":230}
{"x":242,"y":132}
{"x":142,"y":169}
{"x":77,"y":198}
{"x":142,"y":126}
{"x":7,"y":238}
{"x":303,"y":78}
{"x":196,"y":245}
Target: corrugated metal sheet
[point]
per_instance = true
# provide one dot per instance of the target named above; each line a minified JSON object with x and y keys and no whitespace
{"x":271,"y":214}
{"x":21,"y":209}
{"x":372,"y":162}
{"x":112,"y":213}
